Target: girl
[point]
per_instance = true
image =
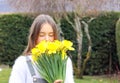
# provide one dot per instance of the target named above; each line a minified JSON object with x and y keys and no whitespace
{"x":23,"y":71}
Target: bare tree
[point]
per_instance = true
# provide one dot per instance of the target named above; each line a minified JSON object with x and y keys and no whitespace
{"x":78,"y":29}
{"x":86,"y":29}
{"x":84,"y":6}
{"x":38,"y":5}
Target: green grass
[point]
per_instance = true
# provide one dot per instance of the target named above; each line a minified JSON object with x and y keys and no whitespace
{"x":97,"y":79}
{"x":5,"y":73}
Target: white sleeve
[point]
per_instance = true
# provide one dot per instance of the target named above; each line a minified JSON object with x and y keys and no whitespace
{"x":69,"y":72}
{"x":18,"y":73}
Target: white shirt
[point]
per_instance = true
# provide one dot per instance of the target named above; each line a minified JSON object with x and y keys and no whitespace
{"x":21,"y":74}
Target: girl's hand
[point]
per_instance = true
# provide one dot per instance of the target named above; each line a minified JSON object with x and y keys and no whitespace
{"x":58,"y":81}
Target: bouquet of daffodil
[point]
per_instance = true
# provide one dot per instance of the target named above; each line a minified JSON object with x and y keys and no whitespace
{"x":51,"y":59}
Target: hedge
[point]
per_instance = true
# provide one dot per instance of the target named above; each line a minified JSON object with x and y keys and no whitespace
{"x":118,"y":38}
{"x":14,"y":30}
{"x":104,"y":59}
{"x":13,"y":36}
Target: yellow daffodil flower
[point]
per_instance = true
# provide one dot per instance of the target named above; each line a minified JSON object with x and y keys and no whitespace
{"x":67,"y":45}
{"x":35,"y":51}
{"x":52,"y":48}
{"x":42,"y":46}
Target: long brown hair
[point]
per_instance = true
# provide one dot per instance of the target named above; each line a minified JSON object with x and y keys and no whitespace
{"x":35,"y":29}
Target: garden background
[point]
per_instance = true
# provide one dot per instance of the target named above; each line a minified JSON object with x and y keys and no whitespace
{"x":91,"y":26}
{"x":104,"y":59}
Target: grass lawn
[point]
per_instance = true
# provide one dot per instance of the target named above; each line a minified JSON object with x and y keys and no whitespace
{"x":97,"y":79}
{"x":5,"y":73}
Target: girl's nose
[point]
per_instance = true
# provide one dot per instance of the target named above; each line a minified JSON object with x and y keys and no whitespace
{"x":47,"y":38}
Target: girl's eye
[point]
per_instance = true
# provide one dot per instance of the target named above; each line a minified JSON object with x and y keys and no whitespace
{"x":42,"y":34}
{"x":51,"y":34}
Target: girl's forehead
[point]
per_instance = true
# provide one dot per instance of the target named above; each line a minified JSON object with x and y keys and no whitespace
{"x":46,"y":27}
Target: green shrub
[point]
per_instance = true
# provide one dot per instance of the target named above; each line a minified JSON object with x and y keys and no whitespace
{"x":104,"y":58}
{"x":118,"y":38}
{"x":13,"y":36}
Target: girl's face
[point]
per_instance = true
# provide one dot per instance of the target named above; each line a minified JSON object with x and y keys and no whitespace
{"x":46,"y":33}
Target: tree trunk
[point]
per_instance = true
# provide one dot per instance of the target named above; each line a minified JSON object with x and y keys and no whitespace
{"x":89,"y":47}
{"x":79,"y":33}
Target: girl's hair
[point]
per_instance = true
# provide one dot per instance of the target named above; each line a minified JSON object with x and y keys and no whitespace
{"x":35,"y":29}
